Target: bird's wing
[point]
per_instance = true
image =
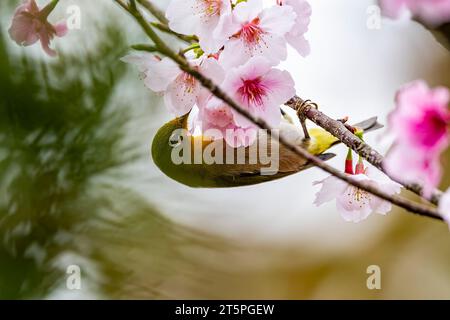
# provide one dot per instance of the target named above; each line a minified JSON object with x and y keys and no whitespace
{"x":270,"y":157}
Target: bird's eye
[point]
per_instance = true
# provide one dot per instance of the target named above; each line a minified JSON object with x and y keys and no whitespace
{"x":175,"y":140}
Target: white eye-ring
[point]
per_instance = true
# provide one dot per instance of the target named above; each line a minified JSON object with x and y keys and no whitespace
{"x":175,"y":140}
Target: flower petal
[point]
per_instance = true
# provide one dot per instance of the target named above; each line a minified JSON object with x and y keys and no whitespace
{"x":332,"y":187}
{"x":444,"y":206}
{"x":393,"y":8}
{"x":61,"y":28}
{"x":247,"y":11}
{"x":353,"y":215}
{"x":158,"y":74}
{"x":278,"y":20}
{"x":181,"y":95}
{"x":182,"y":16}
{"x":299,"y":43}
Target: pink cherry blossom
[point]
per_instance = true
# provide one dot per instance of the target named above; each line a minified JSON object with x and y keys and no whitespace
{"x":355,"y":204}
{"x":259,"y":88}
{"x":257,"y":32}
{"x":421,"y":117}
{"x":408,"y":165}
{"x":296,"y":37}
{"x":420,"y":126}
{"x":432,"y":12}
{"x":30,"y":25}
{"x":444,"y":206}
{"x":217,"y":121}
{"x":181,"y":90}
{"x":208,"y":19}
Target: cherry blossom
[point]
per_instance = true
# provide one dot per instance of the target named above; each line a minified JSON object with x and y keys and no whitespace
{"x":296,"y":37}
{"x":217,"y":121}
{"x":393,"y":8}
{"x":208,"y":19}
{"x":420,"y":126}
{"x":259,"y":88}
{"x":181,"y":90}
{"x":257,"y":32}
{"x":410,"y":166}
{"x":432,"y":12}
{"x":30,"y":25}
{"x":355,"y":204}
{"x":421,"y":117}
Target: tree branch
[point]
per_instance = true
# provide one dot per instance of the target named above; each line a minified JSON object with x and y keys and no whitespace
{"x":411,"y":206}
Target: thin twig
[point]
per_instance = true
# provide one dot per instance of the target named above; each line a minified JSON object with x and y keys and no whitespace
{"x":163,"y":23}
{"x":319,"y":118}
{"x":164,"y":28}
{"x":122,"y":4}
{"x":411,"y":206}
{"x":144,"y":47}
{"x":156,"y":12}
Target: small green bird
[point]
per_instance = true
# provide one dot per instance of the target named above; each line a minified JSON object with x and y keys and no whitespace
{"x":173,"y":153}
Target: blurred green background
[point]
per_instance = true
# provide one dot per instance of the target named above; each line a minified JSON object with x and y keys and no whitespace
{"x":78,"y":187}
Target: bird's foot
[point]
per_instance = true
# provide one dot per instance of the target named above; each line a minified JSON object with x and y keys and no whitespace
{"x":301,"y":110}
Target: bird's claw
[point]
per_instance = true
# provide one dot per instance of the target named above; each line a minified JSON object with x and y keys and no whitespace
{"x":301,"y":109}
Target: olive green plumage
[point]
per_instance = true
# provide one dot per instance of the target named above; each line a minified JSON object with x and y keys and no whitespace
{"x":233,"y":175}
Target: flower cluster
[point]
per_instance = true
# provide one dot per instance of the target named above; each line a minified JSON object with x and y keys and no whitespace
{"x":240,"y":45}
{"x":30,"y":25}
{"x":420,"y":124}
{"x":430,"y":12}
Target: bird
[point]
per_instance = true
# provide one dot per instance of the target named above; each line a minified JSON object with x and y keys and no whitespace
{"x":170,"y":141}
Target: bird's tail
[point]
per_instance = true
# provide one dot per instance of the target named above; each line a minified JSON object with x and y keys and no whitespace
{"x":322,"y":140}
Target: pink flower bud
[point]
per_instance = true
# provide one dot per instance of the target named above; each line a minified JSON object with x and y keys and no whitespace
{"x":360,"y":168}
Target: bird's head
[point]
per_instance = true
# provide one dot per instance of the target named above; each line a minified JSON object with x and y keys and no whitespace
{"x":166,"y":139}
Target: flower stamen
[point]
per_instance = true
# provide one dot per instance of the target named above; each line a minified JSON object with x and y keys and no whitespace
{"x":253,"y":92}
{"x":251,"y":32}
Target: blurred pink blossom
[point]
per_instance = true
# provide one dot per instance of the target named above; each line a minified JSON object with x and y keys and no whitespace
{"x":355,"y":204}
{"x":394,"y":8}
{"x":296,"y":37}
{"x":431,"y":12}
{"x":30,"y":25}
{"x":420,"y":125}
